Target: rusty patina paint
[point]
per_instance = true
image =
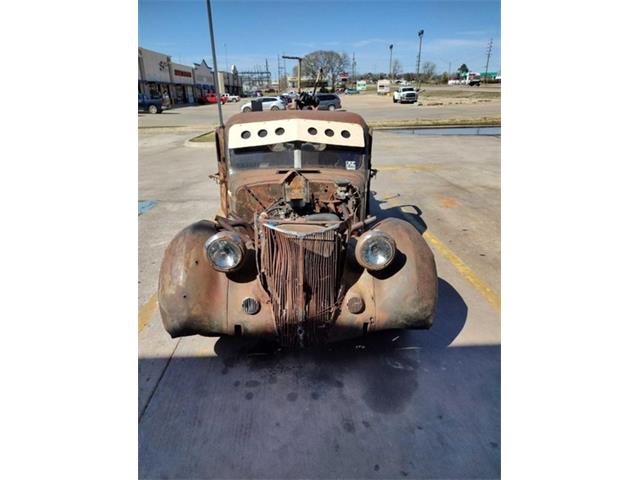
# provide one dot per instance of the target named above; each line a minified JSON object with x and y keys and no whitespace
{"x":309,"y":283}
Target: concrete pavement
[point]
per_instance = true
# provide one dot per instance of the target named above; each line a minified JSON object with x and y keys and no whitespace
{"x":415,"y":404}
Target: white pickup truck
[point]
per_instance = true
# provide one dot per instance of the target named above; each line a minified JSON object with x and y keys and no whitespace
{"x":405,"y":95}
{"x":231,"y":98}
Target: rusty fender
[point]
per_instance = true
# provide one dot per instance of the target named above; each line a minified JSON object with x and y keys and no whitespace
{"x":403,"y":295}
{"x":196,"y":299}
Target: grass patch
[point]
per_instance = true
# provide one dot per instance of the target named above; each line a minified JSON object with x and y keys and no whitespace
{"x":415,"y":123}
{"x":205,"y":137}
{"x":421,"y":122}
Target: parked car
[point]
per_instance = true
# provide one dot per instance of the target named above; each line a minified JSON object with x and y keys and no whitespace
{"x":151,"y":105}
{"x":230,"y":98}
{"x":405,"y":95}
{"x":328,"y":101}
{"x":295,"y":254}
{"x":352,"y":91}
{"x":474,"y":82}
{"x":211,"y":98}
{"x":268,"y":103}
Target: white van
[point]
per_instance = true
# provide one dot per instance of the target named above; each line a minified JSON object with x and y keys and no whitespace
{"x":383,"y":87}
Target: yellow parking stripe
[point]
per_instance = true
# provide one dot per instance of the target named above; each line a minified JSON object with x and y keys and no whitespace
{"x":487,"y":292}
{"x":492,"y":297}
{"x":146,"y":312}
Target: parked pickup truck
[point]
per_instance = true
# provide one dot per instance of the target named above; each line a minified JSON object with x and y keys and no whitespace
{"x":151,"y":105}
{"x":405,"y":95}
{"x":231,"y":98}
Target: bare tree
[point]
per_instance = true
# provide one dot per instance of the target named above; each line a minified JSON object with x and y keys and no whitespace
{"x":396,"y":68}
{"x":428,"y":70}
{"x":332,"y":64}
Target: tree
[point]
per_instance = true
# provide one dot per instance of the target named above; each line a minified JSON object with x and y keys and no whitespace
{"x":444,"y":78}
{"x":332,"y":64}
{"x":463,"y":69}
{"x":396,"y":68}
{"x":428,"y":70}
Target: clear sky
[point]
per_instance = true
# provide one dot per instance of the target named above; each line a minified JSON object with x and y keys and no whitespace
{"x":248,"y":32}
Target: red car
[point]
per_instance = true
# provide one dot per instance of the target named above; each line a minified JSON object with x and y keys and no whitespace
{"x":210,"y":98}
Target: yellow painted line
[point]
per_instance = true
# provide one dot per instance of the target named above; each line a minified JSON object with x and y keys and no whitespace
{"x":146,"y":312}
{"x":487,"y":292}
{"x":492,"y":297}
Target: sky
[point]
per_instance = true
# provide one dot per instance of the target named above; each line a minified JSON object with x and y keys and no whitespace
{"x":248,"y":32}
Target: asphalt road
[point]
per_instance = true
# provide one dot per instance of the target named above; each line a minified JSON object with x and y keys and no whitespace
{"x":415,"y":404}
{"x":447,"y":105}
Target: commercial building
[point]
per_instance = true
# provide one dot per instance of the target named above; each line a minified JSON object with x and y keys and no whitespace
{"x":182,"y":84}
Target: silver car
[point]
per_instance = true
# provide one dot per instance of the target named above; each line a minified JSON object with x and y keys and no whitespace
{"x":268,"y":103}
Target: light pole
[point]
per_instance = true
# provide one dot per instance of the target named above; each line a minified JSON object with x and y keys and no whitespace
{"x":390,"y":59}
{"x":216,"y":80}
{"x":420,"y":33}
{"x":299,"y":59}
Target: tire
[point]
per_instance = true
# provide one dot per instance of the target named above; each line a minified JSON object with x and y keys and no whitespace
{"x":246,"y":109}
{"x":332,"y":108}
{"x":274,"y":109}
{"x":152,"y":109}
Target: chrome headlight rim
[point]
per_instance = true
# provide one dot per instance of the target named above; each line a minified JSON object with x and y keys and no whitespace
{"x":232,"y":239}
{"x":365,"y":240}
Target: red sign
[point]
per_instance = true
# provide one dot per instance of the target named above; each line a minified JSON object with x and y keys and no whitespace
{"x":182,"y":73}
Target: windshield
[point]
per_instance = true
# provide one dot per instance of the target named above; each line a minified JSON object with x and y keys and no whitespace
{"x":281,"y":156}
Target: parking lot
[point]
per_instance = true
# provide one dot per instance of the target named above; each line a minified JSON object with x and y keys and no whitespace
{"x":411,"y":404}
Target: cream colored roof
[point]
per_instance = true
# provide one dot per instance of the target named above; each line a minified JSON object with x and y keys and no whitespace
{"x":254,"y":134}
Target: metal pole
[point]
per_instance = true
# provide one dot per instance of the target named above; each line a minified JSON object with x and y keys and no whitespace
{"x":215,"y":63}
{"x":390,"y":58}
{"x":299,"y":59}
{"x":486,"y":67}
{"x":420,"y":33}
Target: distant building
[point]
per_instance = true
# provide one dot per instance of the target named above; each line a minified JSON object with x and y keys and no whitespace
{"x":183,"y":84}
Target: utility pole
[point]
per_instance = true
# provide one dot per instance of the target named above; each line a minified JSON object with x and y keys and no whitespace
{"x":486,"y":67}
{"x":284,"y":68}
{"x":226,"y":57}
{"x":216,"y":80}
{"x":299,"y":59}
{"x":390,"y":58}
{"x":353,"y":69}
{"x":420,"y":34}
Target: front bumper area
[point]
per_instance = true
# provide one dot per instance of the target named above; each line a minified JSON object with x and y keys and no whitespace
{"x":196,"y":299}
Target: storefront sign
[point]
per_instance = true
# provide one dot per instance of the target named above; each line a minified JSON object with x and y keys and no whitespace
{"x":182,"y":73}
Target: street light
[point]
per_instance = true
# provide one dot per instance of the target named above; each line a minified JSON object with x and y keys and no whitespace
{"x":420,"y":33}
{"x":390,"y":58}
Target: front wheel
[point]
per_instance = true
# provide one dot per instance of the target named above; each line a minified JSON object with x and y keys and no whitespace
{"x":332,"y":108}
{"x":274,"y":108}
{"x":152,"y":109}
{"x":246,"y":109}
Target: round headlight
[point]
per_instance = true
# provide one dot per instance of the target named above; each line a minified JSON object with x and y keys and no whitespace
{"x":375,"y":250}
{"x":225,"y":251}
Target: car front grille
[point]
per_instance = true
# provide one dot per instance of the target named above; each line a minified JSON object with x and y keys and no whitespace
{"x":302,"y":265}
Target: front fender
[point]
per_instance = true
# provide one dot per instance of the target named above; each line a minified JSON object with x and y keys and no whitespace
{"x":403,"y":295}
{"x":196,"y":299}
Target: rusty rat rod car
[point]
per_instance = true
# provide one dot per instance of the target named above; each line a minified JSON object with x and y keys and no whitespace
{"x":295,"y":255}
